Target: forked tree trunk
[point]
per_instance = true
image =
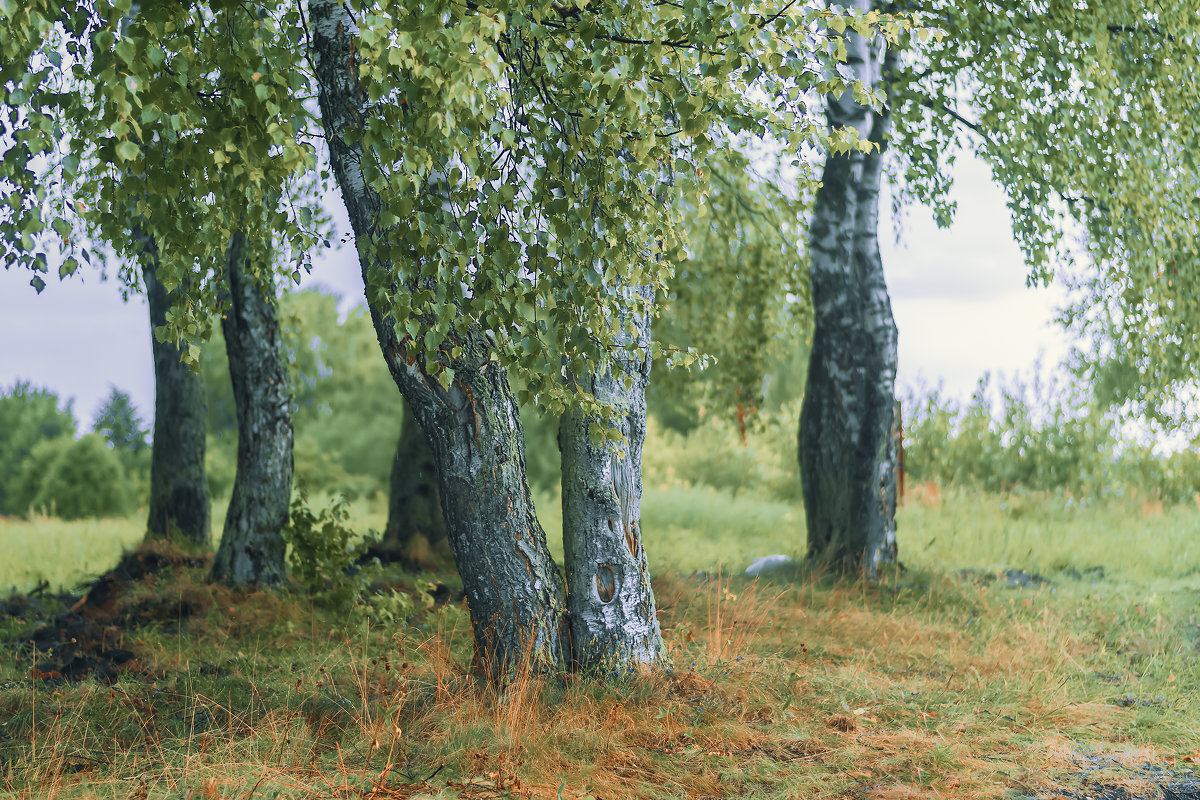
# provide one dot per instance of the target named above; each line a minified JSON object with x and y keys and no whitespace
{"x":252,"y":548}
{"x":414,"y":503}
{"x":179,"y":501}
{"x":846,"y":418}
{"x":513,"y":588}
{"x":610,"y":602}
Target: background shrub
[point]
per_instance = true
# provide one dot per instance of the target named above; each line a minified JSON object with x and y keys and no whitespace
{"x":1041,"y":435}
{"x":75,"y":479}
{"x":28,"y":416}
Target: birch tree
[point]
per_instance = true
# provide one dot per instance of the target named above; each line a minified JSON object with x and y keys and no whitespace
{"x":543,"y":152}
{"x":252,"y":548}
{"x":845,"y":421}
{"x":125,"y":73}
{"x":415,"y":525}
{"x":743,"y":297}
{"x":1085,"y":113}
{"x":180,"y":507}
{"x":504,"y":227}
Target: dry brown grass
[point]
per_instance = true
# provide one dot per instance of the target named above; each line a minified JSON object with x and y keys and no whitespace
{"x":807,"y":690}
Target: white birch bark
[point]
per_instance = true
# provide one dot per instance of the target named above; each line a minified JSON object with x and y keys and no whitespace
{"x":847,"y":411}
{"x":614,"y":626}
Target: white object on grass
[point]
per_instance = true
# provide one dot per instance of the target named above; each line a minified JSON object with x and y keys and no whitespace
{"x":766,"y":563}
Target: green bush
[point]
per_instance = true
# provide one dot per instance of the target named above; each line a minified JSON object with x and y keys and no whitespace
{"x":28,"y":416}
{"x":34,"y":469}
{"x":317,"y":466}
{"x":323,"y":551}
{"x":715,"y":454}
{"x":75,"y":479}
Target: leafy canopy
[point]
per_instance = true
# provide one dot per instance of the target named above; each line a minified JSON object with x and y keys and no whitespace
{"x":548,"y":150}
{"x":183,"y":122}
{"x":532,"y":156}
{"x":1086,"y":112}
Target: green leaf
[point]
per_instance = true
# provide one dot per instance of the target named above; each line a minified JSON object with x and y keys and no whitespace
{"x":128,"y":151}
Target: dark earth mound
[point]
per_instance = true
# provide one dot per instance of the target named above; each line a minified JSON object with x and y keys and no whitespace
{"x":77,"y":636}
{"x":1179,"y":787}
{"x":1145,"y":782}
{"x":1015,"y":578}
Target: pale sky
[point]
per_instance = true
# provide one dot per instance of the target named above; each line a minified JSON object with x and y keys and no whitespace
{"x":958,"y":295}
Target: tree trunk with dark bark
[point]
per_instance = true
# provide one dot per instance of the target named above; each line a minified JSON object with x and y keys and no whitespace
{"x":252,"y":548}
{"x":179,"y":501}
{"x":415,"y":527}
{"x":892,"y":484}
{"x":846,"y":418}
{"x":609,"y":599}
{"x":513,"y":588}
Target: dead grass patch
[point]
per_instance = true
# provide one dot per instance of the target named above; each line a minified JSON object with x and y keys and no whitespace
{"x":817,"y":690}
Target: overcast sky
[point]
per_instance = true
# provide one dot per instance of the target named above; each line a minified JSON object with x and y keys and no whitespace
{"x":959,"y":297}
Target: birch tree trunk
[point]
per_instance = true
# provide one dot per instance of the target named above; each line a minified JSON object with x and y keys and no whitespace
{"x":846,"y":418}
{"x":513,"y":588}
{"x":414,"y":502}
{"x":179,"y":501}
{"x":610,"y":602}
{"x":892,"y":484}
{"x":252,"y":548}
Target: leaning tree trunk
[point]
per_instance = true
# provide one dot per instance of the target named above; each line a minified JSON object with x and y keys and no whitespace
{"x":845,"y":421}
{"x":513,"y":588}
{"x":179,"y":502}
{"x":414,"y":503}
{"x":252,"y":548}
{"x":609,"y":600}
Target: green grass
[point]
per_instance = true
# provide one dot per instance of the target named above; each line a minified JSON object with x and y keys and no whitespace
{"x":1126,"y":537}
{"x":687,"y":529}
{"x":695,"y":528}
{"x":63,"y":553}
{"x":67,"y":554}
{"x":928,"y":683}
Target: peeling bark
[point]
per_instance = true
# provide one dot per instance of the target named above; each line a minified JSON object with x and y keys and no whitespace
{"x":252,"y":548}
{"x":179,"y":501}
{"x":609,"y":599}
{"x":513,"y":588}
{"x":846,"y":418}
{"x":414,"y":502}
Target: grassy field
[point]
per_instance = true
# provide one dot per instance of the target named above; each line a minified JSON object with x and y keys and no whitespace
{"x":940,"y":680}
